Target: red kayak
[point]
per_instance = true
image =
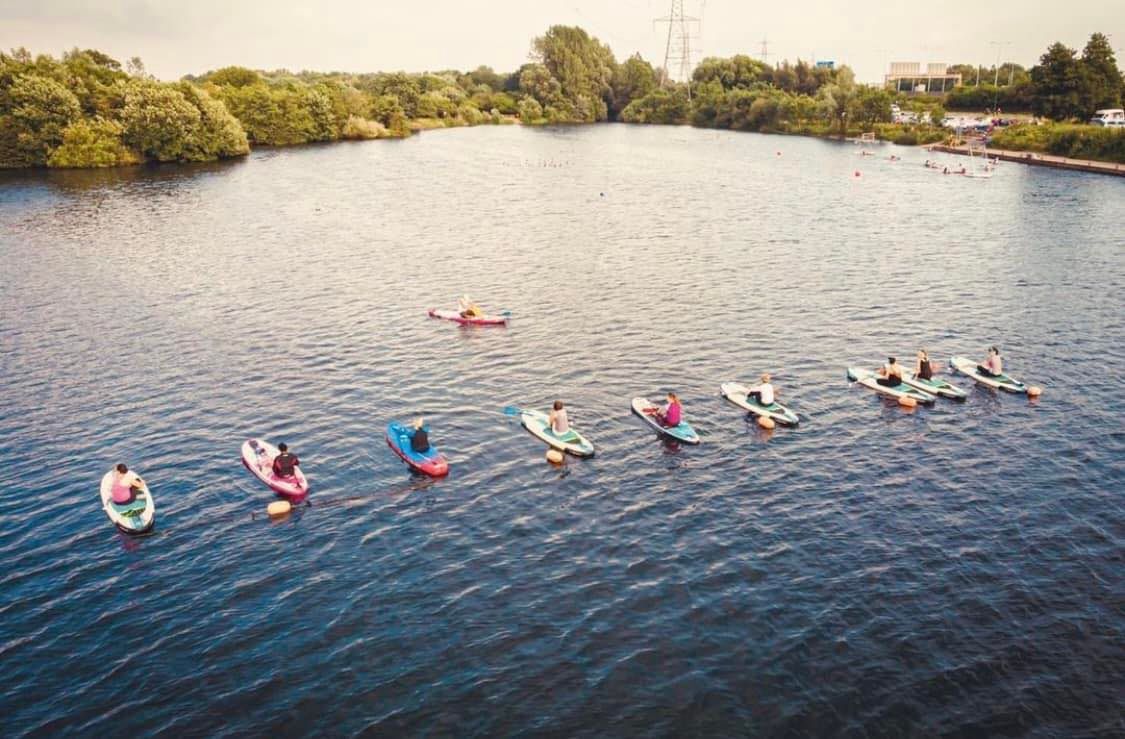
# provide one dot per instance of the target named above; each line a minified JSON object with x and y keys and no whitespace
{"x":452,"y":315}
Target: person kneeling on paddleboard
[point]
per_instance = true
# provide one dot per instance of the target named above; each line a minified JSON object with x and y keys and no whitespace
{"x":420,"y":439}
{"x":671,"y":413}
{"x":923,"y":370}
{"x":285,"y":464}
{"x":762,"y":393}
{"x":890,"y":374}
{"x":468,"y":308}
{"x":560,"y":424}
{"x":125,"y":485}
{"x":993,"y":366}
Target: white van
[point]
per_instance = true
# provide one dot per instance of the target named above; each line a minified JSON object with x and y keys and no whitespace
{"x":1108,"y":117}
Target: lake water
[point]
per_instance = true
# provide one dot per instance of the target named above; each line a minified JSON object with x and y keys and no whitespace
{"x":957,"y":570}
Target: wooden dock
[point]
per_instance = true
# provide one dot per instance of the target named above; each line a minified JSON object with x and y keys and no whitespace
{"x":1039,"y":160}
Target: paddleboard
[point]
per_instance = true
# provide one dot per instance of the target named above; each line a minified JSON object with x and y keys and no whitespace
{"x":1003,"y":382}
{"x":452,"y":315}
{"x":736,"y":394}
{"x":680,"y":432}
{"x":936,"y":386}
{"x":258,"y":455}
{"x":135,"y":517}
{"x":571,"y":442}
{"x":432,"y":462}
{"x":867,"y":379}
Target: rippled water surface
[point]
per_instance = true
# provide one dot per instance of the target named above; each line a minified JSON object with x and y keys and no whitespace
{"x":956,"y":570}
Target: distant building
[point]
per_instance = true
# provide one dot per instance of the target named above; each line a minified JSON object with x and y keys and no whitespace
{"x":910,"y":78}
{"x":826,"y":64}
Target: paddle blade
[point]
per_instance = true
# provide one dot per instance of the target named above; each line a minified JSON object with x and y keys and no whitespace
{"x":511,"y":410}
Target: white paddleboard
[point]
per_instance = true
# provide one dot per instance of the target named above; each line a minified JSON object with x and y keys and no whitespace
{"x":867,"y":378}
{"x":1003,"y":382}
{"x":571,"y":442}
{"x":135,"y":517}
{"x":737,"y":394}
{"x":680,"y":432}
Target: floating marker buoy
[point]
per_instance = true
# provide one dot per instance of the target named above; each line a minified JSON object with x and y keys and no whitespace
{"x":857,"y":173}
{"x":766,"y":422}
{"x":554,"y":456}
{"x":279,"y":508}
{"x":1034,"y":391}
{"x":907,"y":402}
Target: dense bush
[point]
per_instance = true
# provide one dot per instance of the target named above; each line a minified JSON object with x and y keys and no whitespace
{"x":84,"y":111}
{"x":1079,"y":141}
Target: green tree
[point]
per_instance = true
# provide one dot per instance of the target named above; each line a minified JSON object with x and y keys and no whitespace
{"x":158,"y":121}
{"x":233,"y":76}
{"x":35,"y":113}
{"x":634,"y":78}
{"x":92,"y":142}
{"x":583,"y":67}
{"x":1101,"y":79}
{"x":1057,"y":83}
{"x":530,"y":110}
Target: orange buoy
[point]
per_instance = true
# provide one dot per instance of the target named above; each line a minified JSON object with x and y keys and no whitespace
{"x":766,"y":422}
{"x":1034,"y":391}
{"x":906,"y":401}
{"x":554,"y":456}
{"x":279,"y":508}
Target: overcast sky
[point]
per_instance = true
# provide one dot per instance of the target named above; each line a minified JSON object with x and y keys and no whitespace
{"x":177,"y":37}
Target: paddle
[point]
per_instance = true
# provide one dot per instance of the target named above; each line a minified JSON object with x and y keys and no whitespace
{"x":511,"y":410}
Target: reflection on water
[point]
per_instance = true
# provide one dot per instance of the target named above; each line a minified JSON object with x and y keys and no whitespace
{"x":954,"y":569}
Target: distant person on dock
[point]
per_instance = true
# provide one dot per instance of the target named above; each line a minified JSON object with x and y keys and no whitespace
{"x":890,"y":374}
{"x":993,"y":366}
{"x":285,"y":464}
{"x":125,"y":484}
{"x":671,"y":414}
{"x":420,"y":439}
{"x":560,"y":424}
{"x":468,"y":308}
{"x":762,"y":393}
{"x":923,"y":370}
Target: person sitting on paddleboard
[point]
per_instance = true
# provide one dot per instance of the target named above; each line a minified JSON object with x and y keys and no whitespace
{"x":125,"y":485}
{"x":420,"y":439}
{"x":670,"y":414}
{"x":923,"y":370}
{"x":284,"y":464}
{"x":468,"y":308}
{"x":762,"y":393}
{"x":558,"y":420}
{"x":993,"y":366}
{"x":890,"y":374}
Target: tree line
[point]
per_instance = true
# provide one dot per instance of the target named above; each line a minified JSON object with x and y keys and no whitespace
{"x":1063,"y":85}
{"x":86,"y":109}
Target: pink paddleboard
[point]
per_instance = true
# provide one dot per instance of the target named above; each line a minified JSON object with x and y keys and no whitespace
{"x":258,"y":456}
{"x":452,"y":315}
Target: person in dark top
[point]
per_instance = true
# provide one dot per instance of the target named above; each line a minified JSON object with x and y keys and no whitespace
{"x":890,"y":374}
{"x":420,"y":439}
{"x":923,"y":370}
{"x":284,"y":464}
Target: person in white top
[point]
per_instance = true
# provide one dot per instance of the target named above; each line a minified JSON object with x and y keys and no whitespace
{"x":762,"y":393}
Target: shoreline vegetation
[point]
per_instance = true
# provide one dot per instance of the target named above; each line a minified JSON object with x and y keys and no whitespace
{"x":87,"y":110}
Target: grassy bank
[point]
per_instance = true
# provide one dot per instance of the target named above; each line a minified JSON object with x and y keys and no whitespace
{"x":1074,"y":140}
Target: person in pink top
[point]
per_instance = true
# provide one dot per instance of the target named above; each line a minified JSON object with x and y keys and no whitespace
{"x":993,"y":366}
{"x":125,"y":483}
{"x":670,"y":415}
